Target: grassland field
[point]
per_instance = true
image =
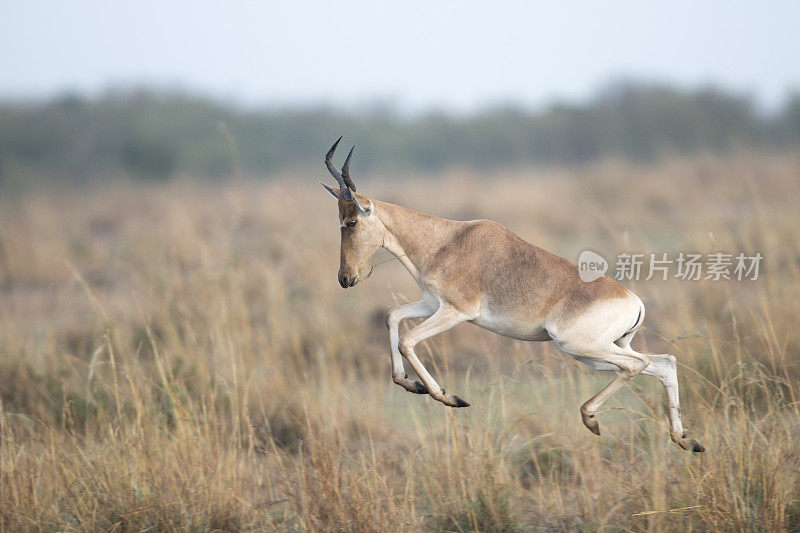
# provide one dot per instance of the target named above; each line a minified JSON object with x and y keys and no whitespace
{"x":181,"y":357}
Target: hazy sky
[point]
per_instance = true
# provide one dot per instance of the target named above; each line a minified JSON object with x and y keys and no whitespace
{"x":421,"y":54}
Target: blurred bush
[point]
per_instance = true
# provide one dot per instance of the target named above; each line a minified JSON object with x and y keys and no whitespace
{"x":156,"y":135}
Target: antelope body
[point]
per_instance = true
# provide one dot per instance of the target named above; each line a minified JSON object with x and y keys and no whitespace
{"x":478,"y":271}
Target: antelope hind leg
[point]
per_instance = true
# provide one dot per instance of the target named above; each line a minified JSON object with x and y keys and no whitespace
{"x":664,"y":368}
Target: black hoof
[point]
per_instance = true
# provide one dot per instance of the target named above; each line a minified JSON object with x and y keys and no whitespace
{"x":590,"y":422}
{"x":451,"y":400}
{"x":690,"y":445}
{"x":696,"y":446}
{"x":419,"y":388}
{"x":459,"y":402}
{"x":412,"y":386}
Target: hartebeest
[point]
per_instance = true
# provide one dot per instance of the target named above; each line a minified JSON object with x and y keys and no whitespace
{"x":478,"y":271}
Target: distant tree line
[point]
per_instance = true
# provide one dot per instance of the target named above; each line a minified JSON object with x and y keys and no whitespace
{"x":155,"y":136}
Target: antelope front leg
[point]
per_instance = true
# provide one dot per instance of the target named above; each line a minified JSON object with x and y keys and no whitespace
{"x":419,"y":309}
{"x":442,"y":320}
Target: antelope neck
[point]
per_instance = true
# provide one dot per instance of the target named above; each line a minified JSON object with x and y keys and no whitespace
{"x":412,"y":237}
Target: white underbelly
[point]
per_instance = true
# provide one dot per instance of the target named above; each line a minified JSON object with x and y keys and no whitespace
{"x":512,"y":327}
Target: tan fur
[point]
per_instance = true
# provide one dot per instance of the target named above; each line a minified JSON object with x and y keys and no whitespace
{"x":493,"y":266}
{"x":481,"y":272}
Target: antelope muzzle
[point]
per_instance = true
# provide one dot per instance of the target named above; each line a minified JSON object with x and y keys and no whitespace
{"x":346,"y":279}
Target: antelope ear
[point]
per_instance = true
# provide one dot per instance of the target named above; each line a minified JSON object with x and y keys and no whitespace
{"x":330,"y":190}
{"x":367,"y":211}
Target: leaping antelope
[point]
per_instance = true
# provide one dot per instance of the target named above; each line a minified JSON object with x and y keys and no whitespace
{"x":478,"y":271}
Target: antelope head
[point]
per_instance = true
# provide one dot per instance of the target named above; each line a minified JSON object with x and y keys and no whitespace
{"x":362,"y":233}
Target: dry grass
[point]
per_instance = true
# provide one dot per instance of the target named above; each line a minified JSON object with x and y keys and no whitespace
{"x":181,"y":357}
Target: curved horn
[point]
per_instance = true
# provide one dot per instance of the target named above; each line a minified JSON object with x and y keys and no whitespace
{"x":365,"y":211}
{"x":345,"y":190}
{"x":346,"y":170}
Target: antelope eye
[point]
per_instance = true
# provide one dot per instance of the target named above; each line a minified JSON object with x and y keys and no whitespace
{"x":351,"y":223}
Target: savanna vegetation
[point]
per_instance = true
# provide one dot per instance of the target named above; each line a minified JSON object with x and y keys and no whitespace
{"x":180,"y":356}
{"x":151,"y":135}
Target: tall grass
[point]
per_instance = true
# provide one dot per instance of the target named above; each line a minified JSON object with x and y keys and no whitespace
{"x":181,"y":357}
